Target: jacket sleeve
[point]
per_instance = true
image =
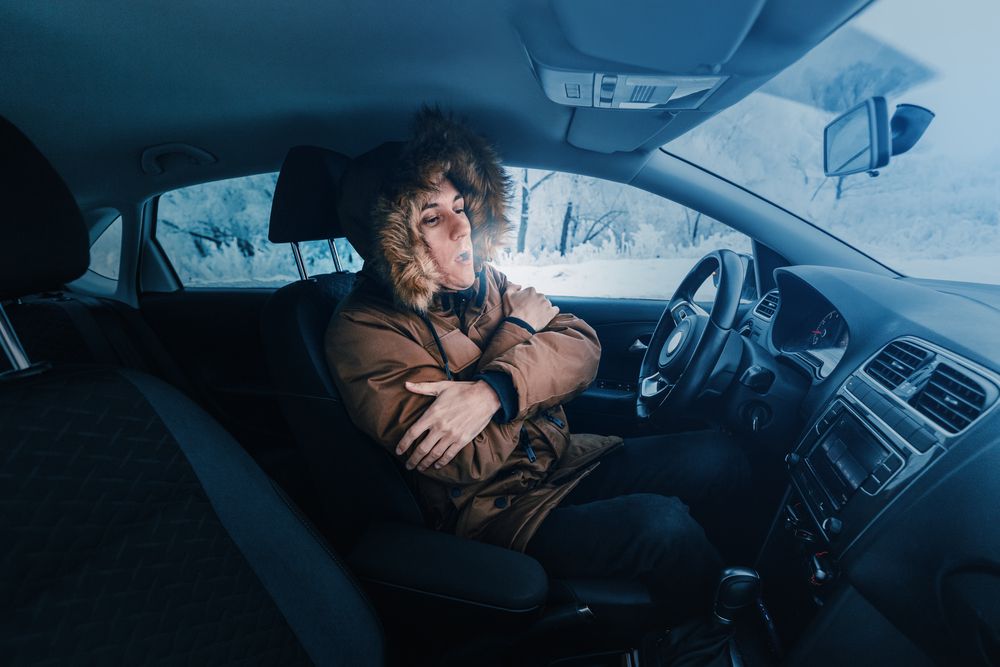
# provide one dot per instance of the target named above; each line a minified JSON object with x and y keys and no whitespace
{"x":370,"y":360}
{"x":547,"y":367}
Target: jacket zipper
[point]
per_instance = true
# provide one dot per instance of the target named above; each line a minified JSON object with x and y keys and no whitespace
{"x":526,"y":445}
{"x":555,"y":420}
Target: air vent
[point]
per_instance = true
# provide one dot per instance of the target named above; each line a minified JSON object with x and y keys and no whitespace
{"x":951,"y":399}
{"x":896,"y":363}
{"x":767,"y":306}
{"x":642,"y":94}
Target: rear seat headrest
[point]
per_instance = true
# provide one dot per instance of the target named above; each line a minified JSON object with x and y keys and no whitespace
{"x":304,"y":207}
{"x":43,"y":239}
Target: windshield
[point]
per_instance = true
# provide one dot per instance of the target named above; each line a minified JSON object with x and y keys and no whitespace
{"x":933,"y":212}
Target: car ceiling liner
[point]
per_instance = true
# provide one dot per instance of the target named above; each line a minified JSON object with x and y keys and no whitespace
{"x":639,"y":74}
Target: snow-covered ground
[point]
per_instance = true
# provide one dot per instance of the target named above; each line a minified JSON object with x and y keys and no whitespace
{"x":630,"y":278}
{"x":657,"y":278}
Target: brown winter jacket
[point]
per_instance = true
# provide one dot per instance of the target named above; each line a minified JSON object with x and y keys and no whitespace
{"x":492,"y":490}
{"x":398,"y":325}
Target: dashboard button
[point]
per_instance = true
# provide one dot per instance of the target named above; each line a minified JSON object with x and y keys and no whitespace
{"x":923,"y":439}
{"x":906,"y":427}
{"x":894,"y":418}
{"x":871,"y":485}
{"x":882,"y":473}
{"x":861,"y":389}
{"x":871,"y":399}
{"x":893,"y":463}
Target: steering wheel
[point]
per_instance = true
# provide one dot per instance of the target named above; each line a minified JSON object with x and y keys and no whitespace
{"x":688,"y":342}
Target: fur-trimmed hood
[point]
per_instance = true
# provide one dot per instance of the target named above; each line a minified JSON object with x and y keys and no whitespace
{"x":382,"y":191}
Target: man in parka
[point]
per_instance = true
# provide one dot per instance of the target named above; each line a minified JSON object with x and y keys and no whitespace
{"x":462,"y":375}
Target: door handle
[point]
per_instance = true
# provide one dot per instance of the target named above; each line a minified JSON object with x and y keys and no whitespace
{"x":637,"y":346}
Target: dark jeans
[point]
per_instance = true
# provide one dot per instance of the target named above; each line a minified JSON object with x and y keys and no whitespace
{"x":630,"y":517}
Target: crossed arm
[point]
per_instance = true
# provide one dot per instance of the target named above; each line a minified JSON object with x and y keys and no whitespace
{"x":410,"y":407}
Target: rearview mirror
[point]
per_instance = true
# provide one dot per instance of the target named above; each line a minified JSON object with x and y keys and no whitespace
{"x":858,"y":140}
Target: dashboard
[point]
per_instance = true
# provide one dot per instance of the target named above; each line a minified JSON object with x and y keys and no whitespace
{"x":893,"y":483}
{"x":808,"y":329}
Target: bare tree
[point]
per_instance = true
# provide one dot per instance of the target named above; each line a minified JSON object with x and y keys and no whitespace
{"x":692,"y":218}
{"x":601,"y":223}
{"x":567,"y":219}
{"x":526,"y":191}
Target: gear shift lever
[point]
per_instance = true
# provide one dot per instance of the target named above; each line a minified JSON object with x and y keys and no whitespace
{"x":738,"y":588}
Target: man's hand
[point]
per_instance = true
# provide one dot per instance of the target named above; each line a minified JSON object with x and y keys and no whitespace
{"x":459,"y":413}
{"x":528,"y":305}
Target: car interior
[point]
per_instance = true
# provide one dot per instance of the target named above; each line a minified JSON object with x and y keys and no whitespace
{"x":180,"y":481}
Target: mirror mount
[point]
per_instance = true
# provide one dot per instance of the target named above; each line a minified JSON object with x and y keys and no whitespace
{"x":908,"y":124}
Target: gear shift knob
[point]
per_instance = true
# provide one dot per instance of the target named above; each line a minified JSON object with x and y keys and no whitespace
{"x":738,"y":587}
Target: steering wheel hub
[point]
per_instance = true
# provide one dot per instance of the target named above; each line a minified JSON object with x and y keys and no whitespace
{"x":673,"y":343}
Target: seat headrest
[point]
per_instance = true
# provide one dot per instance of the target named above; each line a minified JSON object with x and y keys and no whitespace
{"x":304,"y":207}
{"x":43,"y":239}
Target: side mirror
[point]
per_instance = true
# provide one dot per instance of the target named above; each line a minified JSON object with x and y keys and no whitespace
{"x":858,"y":140}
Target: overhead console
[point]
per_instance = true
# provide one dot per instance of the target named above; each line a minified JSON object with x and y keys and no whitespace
{"x":648,"y":64}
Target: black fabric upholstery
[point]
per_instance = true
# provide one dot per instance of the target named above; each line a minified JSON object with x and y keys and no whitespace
{"x":61,"y":328}
{"x":304,"y":207}
{"x":112,"y":486}
{"x":112,"y":551}
{"x":312,"y":589}
{"x":43,"y":241}
{"x":443,"y":565}
{"x":293,"y":327}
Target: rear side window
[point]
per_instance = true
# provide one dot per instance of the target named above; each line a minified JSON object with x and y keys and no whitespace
{"x":215,"y":235}
{"x":106,"y":251}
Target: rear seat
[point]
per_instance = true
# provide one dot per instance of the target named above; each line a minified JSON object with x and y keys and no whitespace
{"x":67,"y":328}
{"x":64,"y":328}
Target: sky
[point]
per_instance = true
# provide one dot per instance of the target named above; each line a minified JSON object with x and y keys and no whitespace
{"x":957,"y":39}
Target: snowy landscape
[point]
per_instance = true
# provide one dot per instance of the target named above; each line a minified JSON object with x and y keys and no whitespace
{"x":932,"y":213}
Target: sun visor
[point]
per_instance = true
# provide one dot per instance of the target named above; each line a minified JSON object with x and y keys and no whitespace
{"x":605,"y":131}
{"x":683,"y":36}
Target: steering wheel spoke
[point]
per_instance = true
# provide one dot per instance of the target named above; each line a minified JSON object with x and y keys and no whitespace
{"x":654,"y":386}
{"x":684,"y":309}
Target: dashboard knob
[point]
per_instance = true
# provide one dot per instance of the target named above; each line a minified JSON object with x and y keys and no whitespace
{"x":832,"y":526}
{"x":792,"y":459}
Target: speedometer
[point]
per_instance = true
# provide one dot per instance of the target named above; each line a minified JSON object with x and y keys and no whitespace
{"x":828,"y":327}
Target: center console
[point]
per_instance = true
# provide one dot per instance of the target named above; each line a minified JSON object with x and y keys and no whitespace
{"x":851,"y":462}
{"x":884,"y":427}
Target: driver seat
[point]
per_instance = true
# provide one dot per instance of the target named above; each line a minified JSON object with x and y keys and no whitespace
{"x":370,"y":511}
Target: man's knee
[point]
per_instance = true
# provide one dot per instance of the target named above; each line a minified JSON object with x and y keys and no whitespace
{"x":671,"y":551}
{"x":664,"y":532}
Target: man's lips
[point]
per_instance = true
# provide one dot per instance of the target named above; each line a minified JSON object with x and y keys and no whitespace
{"x":464,"y":257}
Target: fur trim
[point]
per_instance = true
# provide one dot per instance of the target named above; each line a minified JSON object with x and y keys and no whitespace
{"x":440,"y":147}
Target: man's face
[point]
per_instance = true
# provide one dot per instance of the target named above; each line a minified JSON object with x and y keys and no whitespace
{"x":447,"y":232}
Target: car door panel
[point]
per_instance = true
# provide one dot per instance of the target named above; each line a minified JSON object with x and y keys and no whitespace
{"x":608,"y":405}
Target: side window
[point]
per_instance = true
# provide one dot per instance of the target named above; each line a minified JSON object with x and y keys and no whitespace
{"x":583,"y":236}
{"x":215,"y":235}
{"x":106,"y":251}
